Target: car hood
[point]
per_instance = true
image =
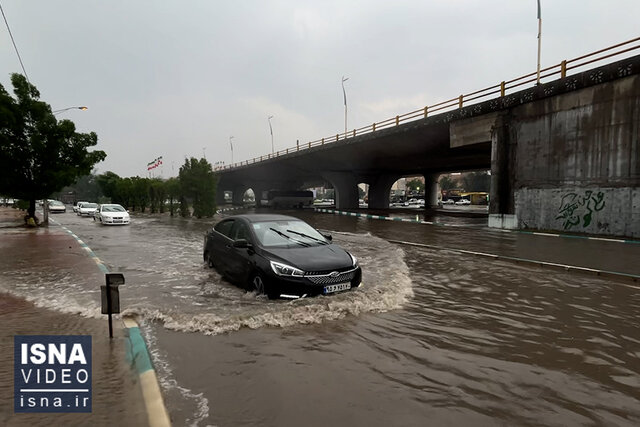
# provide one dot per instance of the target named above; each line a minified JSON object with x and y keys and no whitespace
{"x":312,"y":258}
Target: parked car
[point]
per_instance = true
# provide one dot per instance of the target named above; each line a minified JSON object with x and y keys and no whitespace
{"x":56,"y":206}
{"x":279,"y":256}
{"x":448,"y":202}
{"x":87,"y":209}
{"x":463,"y":202}
{"x":111,"y":214}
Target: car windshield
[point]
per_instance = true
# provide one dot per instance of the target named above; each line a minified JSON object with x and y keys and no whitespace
{"x":56,"y":203}
{"x":286,"y":233}
{"x":89,"y":205}
{"x":112,"y":209}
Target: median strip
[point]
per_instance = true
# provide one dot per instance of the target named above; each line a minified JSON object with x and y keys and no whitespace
{"x":441,"y":224}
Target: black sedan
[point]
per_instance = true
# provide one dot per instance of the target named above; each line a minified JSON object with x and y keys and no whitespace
{"x":280,"y":256}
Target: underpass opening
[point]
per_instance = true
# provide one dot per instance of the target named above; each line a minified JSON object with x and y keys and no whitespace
{"x":465,"y":189}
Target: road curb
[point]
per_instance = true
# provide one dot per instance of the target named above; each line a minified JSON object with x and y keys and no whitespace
{"x":140,"y":359}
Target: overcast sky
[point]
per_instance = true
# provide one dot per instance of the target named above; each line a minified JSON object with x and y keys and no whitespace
{"x":177,"y":78}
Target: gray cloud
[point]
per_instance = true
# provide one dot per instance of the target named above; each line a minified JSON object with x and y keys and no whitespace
{"x":171,"y":77}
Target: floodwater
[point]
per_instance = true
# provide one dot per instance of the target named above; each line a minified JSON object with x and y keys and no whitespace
{"x":434,"y":337}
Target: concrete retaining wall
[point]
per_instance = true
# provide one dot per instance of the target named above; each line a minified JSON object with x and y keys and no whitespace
{"x":593,"y":210}
{"x":578,"y":160}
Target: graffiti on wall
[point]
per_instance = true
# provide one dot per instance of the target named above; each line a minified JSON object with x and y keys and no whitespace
{"x":576,"y":210}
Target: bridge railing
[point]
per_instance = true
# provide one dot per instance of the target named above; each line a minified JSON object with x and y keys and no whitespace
{"x":460,"y":101}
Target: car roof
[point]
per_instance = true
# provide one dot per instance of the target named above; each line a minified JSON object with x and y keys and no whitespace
{"x":264,"y":217}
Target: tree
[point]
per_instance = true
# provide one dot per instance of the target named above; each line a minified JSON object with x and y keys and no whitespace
{"x":157,"y":195}
{"x":172,"y":186}
{"x":198,"y":183}
{"x":414,"y":185}
{"x":477,"y":181}
{"x":446,"y":183}
{"x":108,"y":183}
{"x":39,"y":155}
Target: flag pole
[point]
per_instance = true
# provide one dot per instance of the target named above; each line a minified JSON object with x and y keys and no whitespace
{"x":539,"y":42}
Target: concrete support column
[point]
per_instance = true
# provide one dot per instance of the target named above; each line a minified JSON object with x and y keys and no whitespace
{"x":379,"y":190}
{"x":345,"y":186}
{"x":219,"y":196}
{"x":238,"y":195}
{"x":257,"y":192}
{"x":502,"y":203}
{"x":431,"y":190}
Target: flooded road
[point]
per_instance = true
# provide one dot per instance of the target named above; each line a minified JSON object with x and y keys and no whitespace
{"x":434,"y":337}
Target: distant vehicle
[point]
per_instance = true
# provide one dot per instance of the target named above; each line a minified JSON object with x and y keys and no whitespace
{"x":111,"y":214}
{"x":77,"y":206}
{"x":463,"y":202}
{"x":448,"y":202}
{"x":279,"y":256}
{"x":56,"y":206}
{"x":289,"y":199}
{"x":87,"y":209}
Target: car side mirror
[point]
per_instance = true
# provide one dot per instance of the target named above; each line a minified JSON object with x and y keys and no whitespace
{"x":242,"y":244}
{"x":328,"y":237}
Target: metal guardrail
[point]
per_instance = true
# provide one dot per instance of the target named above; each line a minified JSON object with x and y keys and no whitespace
{"x":500,"y":89}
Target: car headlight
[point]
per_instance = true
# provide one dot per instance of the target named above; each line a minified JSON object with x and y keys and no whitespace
{"x":285,"y":270}
{"x":354,"y":260}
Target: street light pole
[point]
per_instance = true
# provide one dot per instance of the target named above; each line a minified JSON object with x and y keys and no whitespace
{"x":70,"y":108}
{"x":271,"y":130}
{"x":539,"y":43}
{"x":344,"y":94}
{"x":231,"y":145}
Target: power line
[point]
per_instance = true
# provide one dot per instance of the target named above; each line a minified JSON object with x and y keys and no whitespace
{"x":14,"y":44}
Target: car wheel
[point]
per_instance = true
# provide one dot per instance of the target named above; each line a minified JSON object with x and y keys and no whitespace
{"x":259,"y":285}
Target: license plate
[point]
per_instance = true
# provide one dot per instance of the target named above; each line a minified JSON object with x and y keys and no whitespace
{"x":329,"y":289}
{"x":117,"y":221}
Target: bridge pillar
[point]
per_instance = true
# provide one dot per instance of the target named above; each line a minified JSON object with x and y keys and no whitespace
{"x":238,"y":195}
{"x":379,"y":189}
{"x":501,"y":203}
{"x":431,"y":190}
{"x":257,"y":192}
{"x":345,"y":186}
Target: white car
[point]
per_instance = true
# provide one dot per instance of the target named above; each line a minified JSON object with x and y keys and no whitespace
{"x":462,"y":202}
{"x":111,"y":214}
{"x":56,"y":206}
{"x":87,"y":209}
{"x":77,"y":206}
{"x":448,"y":202}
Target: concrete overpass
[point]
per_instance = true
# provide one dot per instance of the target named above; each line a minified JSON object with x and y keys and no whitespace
{"x":563,"y":155}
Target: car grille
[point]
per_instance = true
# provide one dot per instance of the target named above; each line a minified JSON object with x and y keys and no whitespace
{"x":331,"y":278}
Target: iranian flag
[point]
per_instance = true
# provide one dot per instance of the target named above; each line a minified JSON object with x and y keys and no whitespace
{"x":154,"y":164}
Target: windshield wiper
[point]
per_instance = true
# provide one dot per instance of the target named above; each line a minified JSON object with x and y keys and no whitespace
{"x":307,"y":236}
{"x":287,"y":237}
